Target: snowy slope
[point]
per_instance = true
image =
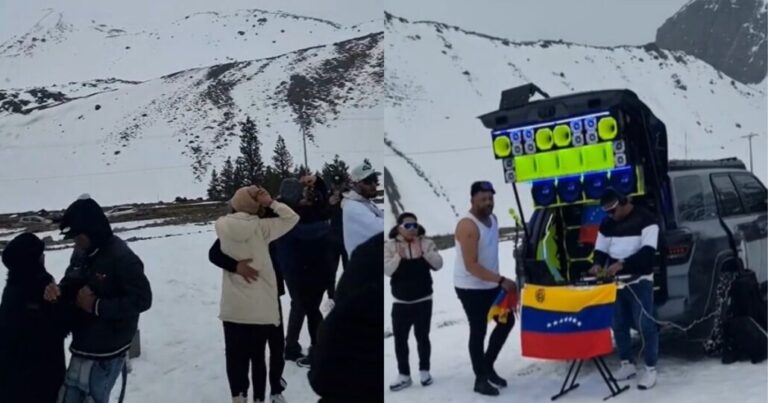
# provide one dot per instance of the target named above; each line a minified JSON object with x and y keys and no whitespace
{"x":158,"y":139}
{"x":440,"y":78}
{"x":684,"y":374}
{"x":65,"y":46}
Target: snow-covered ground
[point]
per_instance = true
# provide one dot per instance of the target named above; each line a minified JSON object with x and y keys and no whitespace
{"x":684,"y":374}
{"x":182,"y":339}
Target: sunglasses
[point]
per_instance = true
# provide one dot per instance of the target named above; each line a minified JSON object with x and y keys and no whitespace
{"x":371,"y":180}
{"x":410,"y":225}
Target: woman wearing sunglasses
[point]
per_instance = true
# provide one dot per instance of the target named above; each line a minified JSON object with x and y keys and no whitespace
{"x":409,"y":258}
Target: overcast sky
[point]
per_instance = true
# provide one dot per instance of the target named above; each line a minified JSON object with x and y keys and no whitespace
{"x":594,"y":22}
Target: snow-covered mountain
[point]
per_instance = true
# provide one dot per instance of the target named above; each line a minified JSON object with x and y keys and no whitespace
{"x":158,"y":137}
{"x":65,"y":46}
{"x":728,"y":34}
{"x":439,"y":78}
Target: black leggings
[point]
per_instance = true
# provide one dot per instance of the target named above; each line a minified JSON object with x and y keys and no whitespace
{"x":418,"y":315}
{"x":336,"y":252}
{"x":306,"y":296}
{"x":245,"y":346}
{"x":476,"y":305}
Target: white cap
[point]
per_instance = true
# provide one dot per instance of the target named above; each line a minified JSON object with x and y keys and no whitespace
{"x":84,"y":196}
{"x":362,"y":171}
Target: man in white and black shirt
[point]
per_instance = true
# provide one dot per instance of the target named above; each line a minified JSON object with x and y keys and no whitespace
{"x":626,"y":245}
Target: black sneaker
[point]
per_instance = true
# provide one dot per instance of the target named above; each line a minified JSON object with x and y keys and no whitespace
{"x":304,"y":362}
{"x":293,"y":355}
{"x":484,"y":388}
{"x":496,"y":380}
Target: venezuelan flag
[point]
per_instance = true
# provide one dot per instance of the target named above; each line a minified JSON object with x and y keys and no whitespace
{"x":567,"y":323}
{"x":591,"y":218}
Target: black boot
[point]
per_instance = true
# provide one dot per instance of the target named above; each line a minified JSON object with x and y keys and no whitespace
{"x":484,"y":388}
{"x":496,"y":380}
{"x":306,"y":361}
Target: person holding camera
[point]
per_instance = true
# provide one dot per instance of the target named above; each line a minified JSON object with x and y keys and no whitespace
{"x":302,"y":254}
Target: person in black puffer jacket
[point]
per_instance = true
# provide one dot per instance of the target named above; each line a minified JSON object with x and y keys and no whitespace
{"x":409,"y":258}
{"x":32,"y":330}
{"x":348,"y":361}
{"x":106,"y":281}
{"x":303,"y":258}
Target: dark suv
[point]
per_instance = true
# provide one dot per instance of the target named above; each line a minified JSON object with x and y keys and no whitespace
{"x":712,"y":214}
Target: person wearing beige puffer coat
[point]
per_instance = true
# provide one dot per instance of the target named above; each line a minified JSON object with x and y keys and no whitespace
{"x":250,"y":309}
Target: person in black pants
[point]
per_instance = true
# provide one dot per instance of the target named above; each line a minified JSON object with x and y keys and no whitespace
{"x":242,"y":340}
{"x":409,"y":258}
{"x":478,"y":283}
{"x":304,"y":256}
{"x":336,"y":250}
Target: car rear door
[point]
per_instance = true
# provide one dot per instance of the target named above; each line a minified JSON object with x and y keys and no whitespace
{"x":742,"y":200}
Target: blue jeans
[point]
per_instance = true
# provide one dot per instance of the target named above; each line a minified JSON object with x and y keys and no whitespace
{"x":629,"y":315}
{"x":89,"y":381}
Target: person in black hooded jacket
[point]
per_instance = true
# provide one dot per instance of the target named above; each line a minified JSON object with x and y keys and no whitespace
{"x":348,"y":360}
{"x":303,"y":258}
{"x":106,"y":281}
{"x":32,"y":330}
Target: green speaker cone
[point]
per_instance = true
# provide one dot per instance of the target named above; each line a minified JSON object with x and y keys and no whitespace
{"x":502,"y":147}
{"x":562,"y":135}
{"x":544,"y":139}
{"x":607,"y":128}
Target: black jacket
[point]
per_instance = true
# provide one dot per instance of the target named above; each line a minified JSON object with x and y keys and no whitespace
{"x":32,"y":330}
{"x":219,"y":259}
{"x":348,"y":361}
{"x":116,"y":276}
{"x":412,"y":280}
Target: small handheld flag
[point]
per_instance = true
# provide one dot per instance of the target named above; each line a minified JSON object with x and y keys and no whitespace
{"x":504,"y":304}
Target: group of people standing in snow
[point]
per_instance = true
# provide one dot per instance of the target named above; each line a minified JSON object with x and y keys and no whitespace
{"x":297,"y":242}
{"x":98,"y":302}
{"x":626,"y":243}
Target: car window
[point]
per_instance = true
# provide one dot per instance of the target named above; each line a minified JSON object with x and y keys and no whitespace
{"x":728,"y":200}
{"x":694,"y":199}
{"x":753,"y":193}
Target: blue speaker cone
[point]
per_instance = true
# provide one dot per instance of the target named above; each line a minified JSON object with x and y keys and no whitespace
{"x":569,"y":189}
{"x":544,"y":192}
{"x":624,"y":180}
{"x":591,"y":123}
{"x":516,"y":136}
{"x":576,"y":126}
{"x":595,"y":184}
{"x":528,"y":134}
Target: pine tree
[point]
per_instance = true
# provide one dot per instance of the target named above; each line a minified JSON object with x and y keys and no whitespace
{"x":337,"y":168}
{"x":249,"y":166}
{"x":227,"y":180}
{"x":272,"y":181}
{"x":282,"y":159}
{"x":214,"y":187}
{"x":300,"y":171}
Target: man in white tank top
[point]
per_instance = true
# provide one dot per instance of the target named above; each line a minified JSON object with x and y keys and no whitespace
{"x":478,"y":282}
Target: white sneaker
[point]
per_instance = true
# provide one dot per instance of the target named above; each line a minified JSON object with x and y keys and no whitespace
{"x":626,"y":371}
{"x":426,"y":378}
{"x":402,"y":382}
{"x":239,"y":399}
{"x":278,"y":398}
{"x":647,"y":379}
{"x":327,"y":306}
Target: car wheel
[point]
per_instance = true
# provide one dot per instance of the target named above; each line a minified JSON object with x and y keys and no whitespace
{"x":714,"y":343}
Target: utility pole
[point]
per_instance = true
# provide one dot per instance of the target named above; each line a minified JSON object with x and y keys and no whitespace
{"x":304,"y":139}
{"x":749,"y":137}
